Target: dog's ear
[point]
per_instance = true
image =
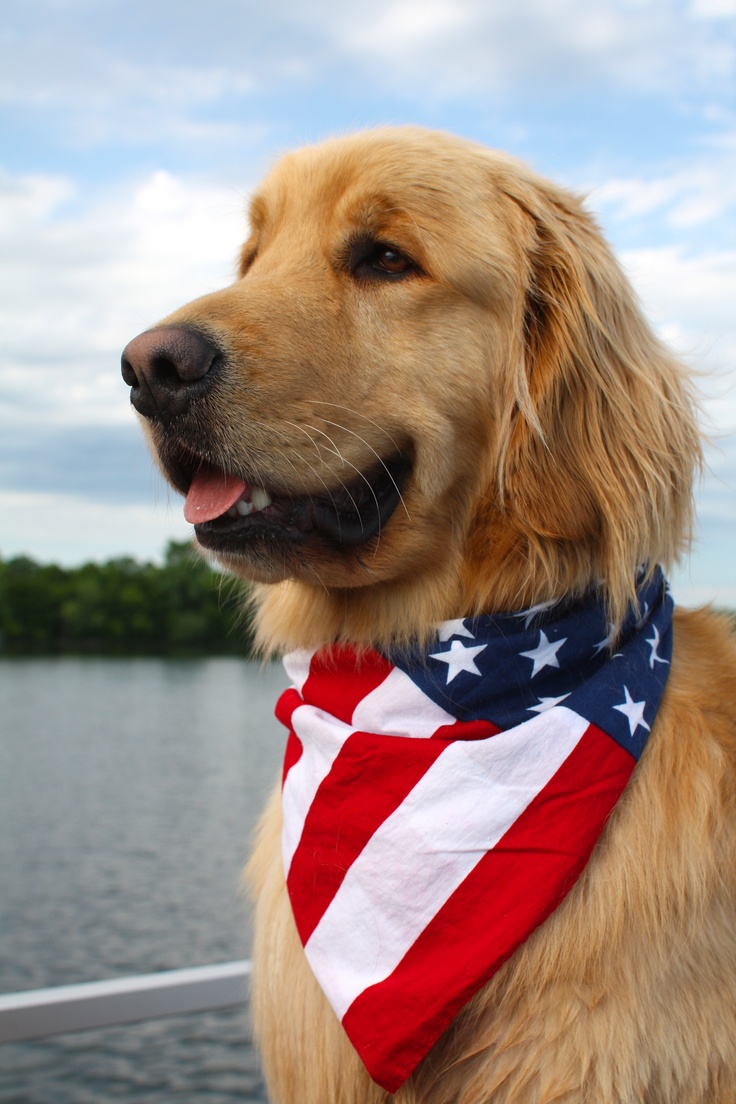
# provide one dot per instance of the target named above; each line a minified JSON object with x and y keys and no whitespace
{"x":600,"y":439}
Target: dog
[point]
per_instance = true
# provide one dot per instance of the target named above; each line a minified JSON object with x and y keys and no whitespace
{"x":430,"y":396}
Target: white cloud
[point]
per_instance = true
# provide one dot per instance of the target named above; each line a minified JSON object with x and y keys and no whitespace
{"x":69,"y":530}
{"x":77,"y":282}
{"x":682,"y":196}
{"x":689,"y":295}
{"x":186,"y":62}
{"x":689,"y":298}
{"x":27,"y":200}
{"x":687,"y":280}
{"x":693,"y":291}
{"x":406,"y":25}
{"x":709,"y":573}
{"x":713,"y":9}
{"x":652,"y":46}
{"x":104,"y":92}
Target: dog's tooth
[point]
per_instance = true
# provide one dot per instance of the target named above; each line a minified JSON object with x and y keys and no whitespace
{"x":244,"y":508}
{"x":260,"y":498}
{"x":232,"y":512}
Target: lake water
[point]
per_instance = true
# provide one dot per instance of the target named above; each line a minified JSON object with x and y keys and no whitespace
{"x":129,"y":790}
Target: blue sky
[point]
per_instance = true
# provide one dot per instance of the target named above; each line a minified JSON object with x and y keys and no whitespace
{"x":133,"y":132}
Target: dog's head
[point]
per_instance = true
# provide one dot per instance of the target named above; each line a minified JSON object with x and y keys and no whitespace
{"x":429,"y":392}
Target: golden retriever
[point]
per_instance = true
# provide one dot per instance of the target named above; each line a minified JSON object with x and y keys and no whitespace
{"x":431,"y":394}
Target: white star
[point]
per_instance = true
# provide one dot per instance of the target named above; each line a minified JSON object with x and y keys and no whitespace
{"x":547,"y":703}
{"x":459,"y":658}
{"x":633,"y":711}
{"x":603,"y":644}
{"x":531,"y":613}
{"x":545,"y":654}
{"x":654,"y":644}
{"x":453,"y":628}
{"x":643,"y":614}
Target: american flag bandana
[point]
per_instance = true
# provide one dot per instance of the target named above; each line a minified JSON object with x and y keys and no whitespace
{"x":439,"y":806}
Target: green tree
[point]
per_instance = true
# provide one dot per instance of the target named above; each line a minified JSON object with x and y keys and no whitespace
{"x":122,"y":607}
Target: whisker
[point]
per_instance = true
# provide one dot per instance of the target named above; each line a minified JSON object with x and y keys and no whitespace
{"x":335,"y":450}
{"x":350,"y":465}
{"x":310,"y":466}
{"x":378,"y":457}
{"x":313,"y":469}
{"x":312,"y":571}
{"x":284,"y":456}
{"x":358,"y":414}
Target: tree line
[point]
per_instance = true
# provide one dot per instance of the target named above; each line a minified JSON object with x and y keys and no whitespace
{"x":123,"y":607}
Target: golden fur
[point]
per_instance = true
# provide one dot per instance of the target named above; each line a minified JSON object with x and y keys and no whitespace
{"x":553,"y":444}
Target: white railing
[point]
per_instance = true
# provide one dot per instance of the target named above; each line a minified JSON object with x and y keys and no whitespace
{"x":37,"y":1013}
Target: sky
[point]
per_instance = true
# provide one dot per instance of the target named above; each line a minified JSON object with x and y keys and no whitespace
{"x":132,"y":133}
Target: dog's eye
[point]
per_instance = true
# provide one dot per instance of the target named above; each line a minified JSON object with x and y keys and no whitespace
{"x":391,"y":261}
{"x":379,"y":260}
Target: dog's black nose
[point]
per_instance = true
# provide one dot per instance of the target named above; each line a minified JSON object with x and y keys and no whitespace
{"x":166,"y":368}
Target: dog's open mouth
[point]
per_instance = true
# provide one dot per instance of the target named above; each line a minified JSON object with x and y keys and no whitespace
{"x":228,"y":512}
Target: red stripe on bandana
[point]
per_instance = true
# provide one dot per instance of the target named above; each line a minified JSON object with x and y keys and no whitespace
{"x":369,"y":779}
{"x":294,"y":751}
{"x":508,"y":894}
{"x":358,"y":674}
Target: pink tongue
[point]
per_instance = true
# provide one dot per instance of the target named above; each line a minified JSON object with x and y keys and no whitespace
{"x":211,"y":494}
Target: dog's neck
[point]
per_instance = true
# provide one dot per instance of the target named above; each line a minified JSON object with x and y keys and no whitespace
{"x":294,"y":615}
{"x":505,"y":578}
